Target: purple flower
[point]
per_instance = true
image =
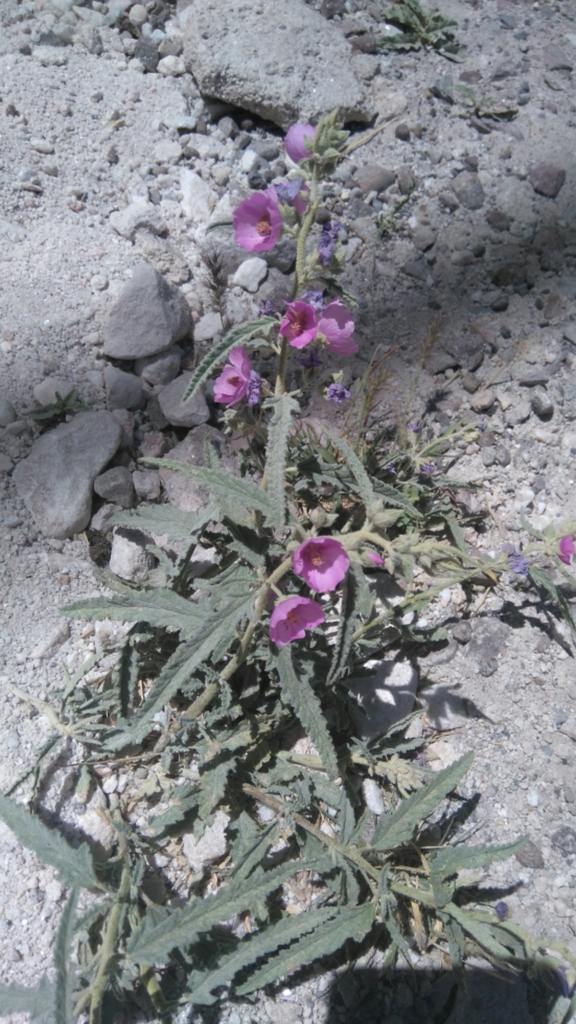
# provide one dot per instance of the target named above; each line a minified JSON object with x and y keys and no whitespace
{"x":253,"y":388}
{"x":295,"y":142}
{"x":327,"y":243}
{"x":502,"y":910}
{"x":237,"y":380}
{"x":374,"y":557}
{"x":312,"y":361}
{"x":289,"y":192}
{"x":336,"y":324}
{"x":428,"y":468}
{"x":314,"y":299}
{"x":414,"y":427}
{"x":258,"y":222}
{"x":566,"y":549}
{"x":292,"y":617}
{"x":322,"y":562}
{"x":516,"y":560}
{"x":337,"y":393}
{"x":268,"y":308}
{"x":299,"y":324}
{"x":561,"y":984}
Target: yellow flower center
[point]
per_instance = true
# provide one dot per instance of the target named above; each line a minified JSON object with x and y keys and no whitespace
{"x":264,"y":226}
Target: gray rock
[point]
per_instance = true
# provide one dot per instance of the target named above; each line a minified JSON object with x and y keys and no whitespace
{"x":519,"y":412}
{"x":530,"y":856}
{"x":547,"y":179}
{"x":210,"y":847}
{"x":374,"y":178}
{"x":148,"y":316}
{"x":8,"y":413}
{"x":183,"y":414}
{"x":125,"y":420}
{"x":101,"y":519}
{"x":385,"y":696}
{"x":469,"y":191}
{"x":136,"y":216}
{"x":406,"y":180}
{"x":445,"y":709}
{"x":556,"y":59}
{"x":146,"y":484}
{"x":123,"y":390}
{"x":541,"y":403}
{"x":250,"y":274}
{"x":172,"y":66}
{"x":115,"y":485}
{"x":182,"y":491}
{"x":45,"y":392}
{"x":129,"y":558}
{"x":424,"y":238}
{"x":284,"y":62}
{"x":6,"y":463}
{"x":498,"y":220}
{"x":55,"y":481}
{"x":89,"y":37}
{"x":565,"y":839}
{"x":482,"y":400}
{"x":160,"y":369}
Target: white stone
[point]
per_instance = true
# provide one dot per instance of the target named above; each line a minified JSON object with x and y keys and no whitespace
{"x":210,"y":847}
{"x":140,"y":214}
{"x":129,"y":558}
{"x":198,"y":198}
{"x":250,"y":274}
{"x":207,"y":327}
{"x":171,"y":66}
{"x":373,"y":796}
{"x":45,"y":392}
{"x":138,"y":14}
{"x":53,"y":639}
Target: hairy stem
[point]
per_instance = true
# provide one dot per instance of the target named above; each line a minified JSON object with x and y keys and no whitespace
{"x":148,"y":979}
{"x":110,"y":942}
{"x":305,"y":231}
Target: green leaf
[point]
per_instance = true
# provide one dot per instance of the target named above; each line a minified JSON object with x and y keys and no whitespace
{"x":260,"y":944}
{"x":254,"y":331}
{"x":235,"y":492}
{"x":347,"y":923}
{"x":279,"y":430}
{"x":166,"y":519}
{"x":354,"y":585}
{"x":480,"y":928}
{"x":457,"y":534}
{"x":213,"y":629}
{"x":363,"y":482}
{"x":395,"y":498}
{"x":253,"y":841}
{"x":152,"y":942}
{"x":452,"y":859}
{"x":62,"y":963}
{"x":156,"y":607}
{"x":398,"y":827}
{"x":74,"y":866}
{"x":298,"y":692}
{"x":38,"y":1002}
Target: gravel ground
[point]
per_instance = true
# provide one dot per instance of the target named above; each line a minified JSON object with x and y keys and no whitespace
{"x":481,"y":252}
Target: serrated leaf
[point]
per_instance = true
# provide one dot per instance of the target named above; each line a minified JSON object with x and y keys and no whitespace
{"x":153,"y":942}
{"x":456,"y":941}
{"x":279,"y":430}
{"x":395,"y":498}
{"x":452,"y":859}
{"x":298,"y":692}
{"x":457,"y":534}
{"x":74,"y":866}
{"x":398,"y":827}
{"x":482,"y":931}
{"x":166,"y":519}
{"x":252,"y":948}
{"x":234,"y":492}
{"x":156,"y":607}
{"x":347,"y":923}
{"x":216,"y":628}
{"x":253,"y":841}
{"x":252,"y":332}
{"x":38,"y":1002}
{"x":354,"y":584}
{"x":363,"y":482}
{"x":62,"y":962}
{"x":124,"y":677}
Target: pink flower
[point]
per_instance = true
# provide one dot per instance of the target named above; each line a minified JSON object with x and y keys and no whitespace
{"x":337,"y":325}
{"x":322,"y":562}
{"x":237,"y":380}
{"x":566,"y":549}
{"x":294,"y":141}
{"x":292,"y":617}
{"x":299,"y":324}
{"x":257,"y":221}
{"x":374,"y":558}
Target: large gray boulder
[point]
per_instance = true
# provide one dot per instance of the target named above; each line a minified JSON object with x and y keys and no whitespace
{"x":55,"y":481}
{"x":148,"y":316}
{"x":277,"y":58}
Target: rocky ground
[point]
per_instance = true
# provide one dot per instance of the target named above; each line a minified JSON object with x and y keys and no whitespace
{"x":113,"y":163}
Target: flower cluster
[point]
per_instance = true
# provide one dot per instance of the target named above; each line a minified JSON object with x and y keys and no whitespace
{"x":332,"y":327}
{"x":322,"y":563}
{"x":238,"y":380}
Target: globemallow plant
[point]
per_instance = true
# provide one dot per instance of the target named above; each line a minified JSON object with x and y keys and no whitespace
{"x":231,"y":696}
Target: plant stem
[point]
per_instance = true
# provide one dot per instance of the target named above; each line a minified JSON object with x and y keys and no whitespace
{"x":305,"y":231}
{"x":110,"y":942}
{"x":153,"y":989}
